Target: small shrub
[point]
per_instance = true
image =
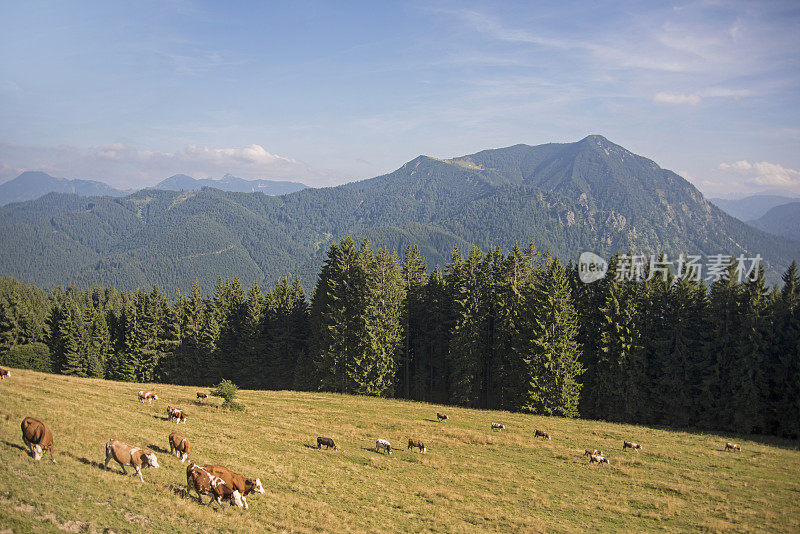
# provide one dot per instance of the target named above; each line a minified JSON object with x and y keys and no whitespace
{"x":228,"y":390}
{"x":35,"y":356}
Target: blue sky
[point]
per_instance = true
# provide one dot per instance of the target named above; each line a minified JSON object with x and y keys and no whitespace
{"x":133,"y":92}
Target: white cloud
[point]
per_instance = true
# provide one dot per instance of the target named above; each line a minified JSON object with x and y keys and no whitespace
{"x":764,"y":173}
{"x":125,"y":166}
{"x":676,"y":98}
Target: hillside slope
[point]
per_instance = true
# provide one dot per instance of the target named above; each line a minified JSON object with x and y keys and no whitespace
{"x":181,"y":182}
{"x":471,"y":479}
{"x":781,"y":220}
{"x":589,"y":195}
{"x":753,"y":206}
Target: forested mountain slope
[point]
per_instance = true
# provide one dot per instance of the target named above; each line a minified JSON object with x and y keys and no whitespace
{"x":589,"y":195}
{"x":781,"y":220}
{"x":31,"y":185}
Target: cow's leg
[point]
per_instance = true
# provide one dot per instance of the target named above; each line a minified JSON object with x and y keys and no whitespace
{"x":139,"y":472}
{"x":244,"y":502}
{"x":124,"y":472}
{"x":51,"y":454}
{"x":184,"y":457}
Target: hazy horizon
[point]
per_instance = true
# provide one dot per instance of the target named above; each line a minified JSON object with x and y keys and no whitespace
{"x":131,"y":94}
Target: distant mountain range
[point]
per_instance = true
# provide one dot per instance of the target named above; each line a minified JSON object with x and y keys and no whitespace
{"x":783,"y":220}
{"x":569,"y":197}
{"x":752,"y":207}
{"x":31,"y":185}
{"x":181,"y":182}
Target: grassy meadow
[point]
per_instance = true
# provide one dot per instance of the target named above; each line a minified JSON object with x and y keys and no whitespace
{"x":471,"y":479}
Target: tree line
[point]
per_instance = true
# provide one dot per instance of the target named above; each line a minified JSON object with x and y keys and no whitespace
{"x":516,"y":331}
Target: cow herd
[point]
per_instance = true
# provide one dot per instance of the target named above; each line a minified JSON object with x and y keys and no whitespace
{"x":219,"y":482}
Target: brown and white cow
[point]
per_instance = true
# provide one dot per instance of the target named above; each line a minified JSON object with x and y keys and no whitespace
{"x":418,"y":444}
{"x":592,"y":452}
{"x":176,"y":414}
{"x":148,"y":396}
{"x":541,"y":434}
{"x":631,"y":445}
{"x":206,"y":483}
{"x":37,"y":438}
{"x":125,"y":454}
{"x":201,"y":395}
{"x":599,"y":459}
{"x":732,"y":447}
{"x":240,"y":483}
{"x":328,"y":442}
{"x":383,"y":445}
{"x":498,"y":426}
{"x":4,"y":373}
{"x":441,"y":417}
{"x":179,"y":446}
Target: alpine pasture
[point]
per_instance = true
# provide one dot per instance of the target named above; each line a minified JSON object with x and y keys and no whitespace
{"x":470,"y":479}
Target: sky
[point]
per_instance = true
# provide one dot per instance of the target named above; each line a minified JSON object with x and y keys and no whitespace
{"x":130,"y":93}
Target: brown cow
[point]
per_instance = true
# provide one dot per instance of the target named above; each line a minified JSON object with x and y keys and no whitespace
{"x":37,"y":438}
{"x":148,"y":396}
{"x":631,"y":445}
{"x":179,"y":446}
{"x":599,"y":459}
{"x":201,"y":395}
{"x":4,"y":373}
{"x":134,"y":457}
{"x":328,"y":442}
{"x":418,"y":444}
{"x":205,"y":483}
{"x":236,"y":481}
{"x":592,"y":452}
{"x":732,"y":447}
{"x":441,"y":417}
{"x":542,"y":434}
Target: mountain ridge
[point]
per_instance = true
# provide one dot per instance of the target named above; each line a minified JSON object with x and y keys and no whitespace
{"x":569,"y":197}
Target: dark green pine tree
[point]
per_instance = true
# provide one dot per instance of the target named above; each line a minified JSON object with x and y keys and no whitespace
{"x":415,"y":279}
{"x":431,"y":372}
{"x":555,"y":366}
{"x":514,"y":287}
{"x":72,"y":333}
{"x":681,"y":345}
{"x":384,"y":310}
{"x":466,"y":283}
{"x":98,"y":349}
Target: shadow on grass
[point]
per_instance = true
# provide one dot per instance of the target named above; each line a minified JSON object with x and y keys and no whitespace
{"x":16,"y":446}
{"x":156,"y":448}
{"x":431,"y":420}
{"x":372,"y":449}
{"x":85,"y":461}
{"x":309,"y":446}
{"x":161,"y":418}
{"x":179,"y":490}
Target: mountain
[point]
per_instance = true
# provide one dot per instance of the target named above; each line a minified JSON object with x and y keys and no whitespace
{"x":751,"y":207}
{"x":33,"y":184}
{"x":181,"y":182}
{"x":569,"y":197}
{"x":783,"y":220}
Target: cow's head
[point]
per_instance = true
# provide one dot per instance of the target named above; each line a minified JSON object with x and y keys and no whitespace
{"x":236,"y":499}
{"x":255,"y":485}
{"x":152,"y":461}
{"x":155,"y":397}
{"x":37,"y":452}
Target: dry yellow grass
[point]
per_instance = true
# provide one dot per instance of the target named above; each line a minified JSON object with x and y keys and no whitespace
{"x":472,"y":479}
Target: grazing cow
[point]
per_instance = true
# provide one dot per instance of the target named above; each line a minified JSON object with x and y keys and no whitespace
{"x":592,"y":452}
{"x":328,"y":442}
{"x":205,"y":483}
{"x":542,"y":434}
{"x":179,"y":416}
{"x":418,"y":444}
{"x":441,"y":417}
{"x":498,"y":426}
{"x":631,"y":445}
{"x":201,"y":395}
{"x":732,"y":447}
{"x":148,"y":396}
{"x":37,"y":438}
{"x":179,"y":446}
{"x":599,"y":459}
{"x":134,"y":457}
{"x":244,"y":486}
{"x":383,"y":444}
{"x":4,"y":373}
